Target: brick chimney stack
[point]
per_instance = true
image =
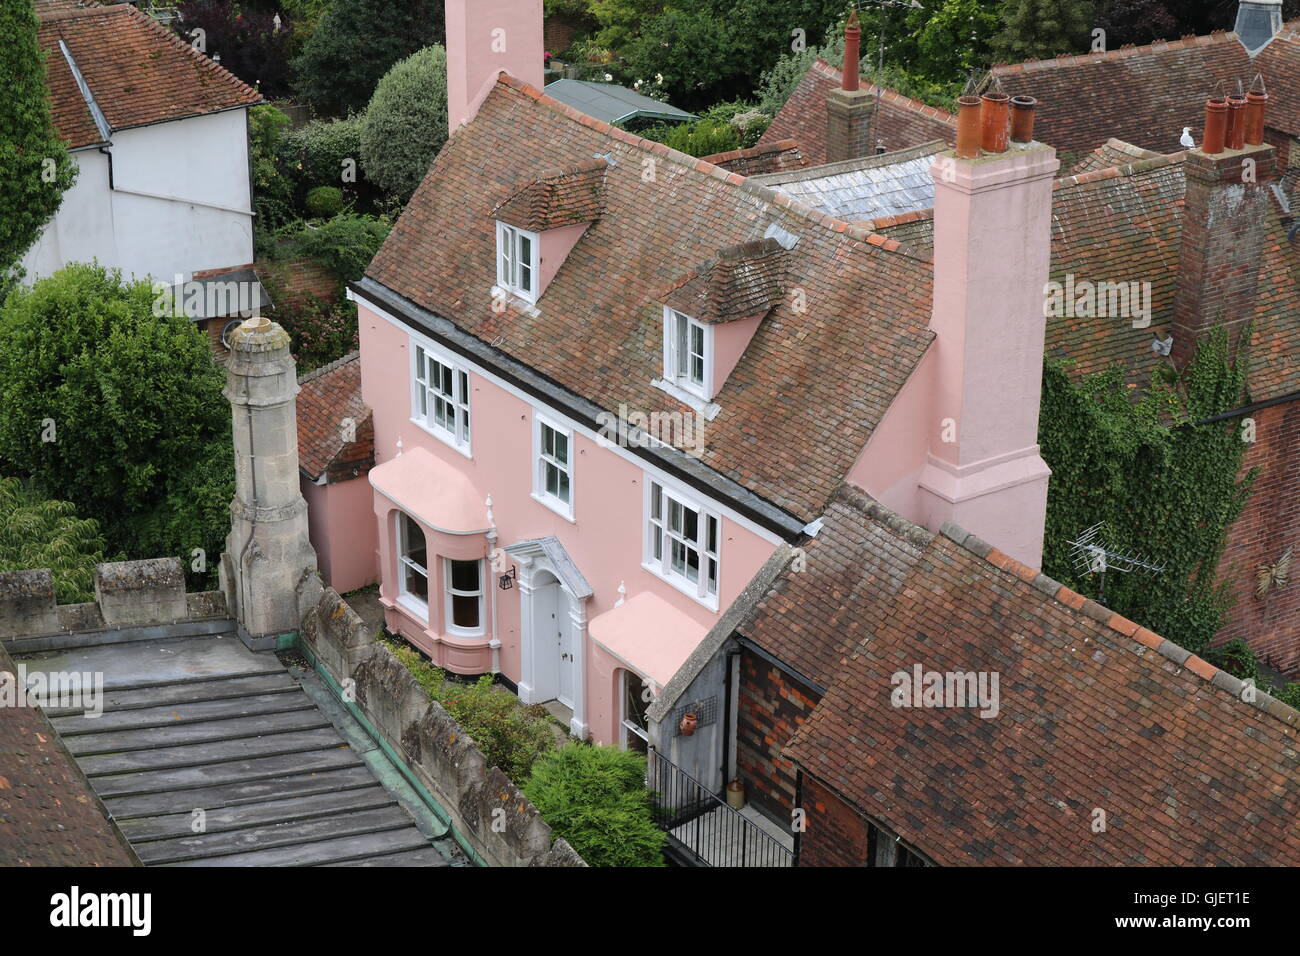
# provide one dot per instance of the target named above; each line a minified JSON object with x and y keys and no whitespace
{"x":992,"y":259}
{"x":267,"y":550}
{"x":484,"y":38}
{"x":849,"y":109}
{"x":1225,"y":220}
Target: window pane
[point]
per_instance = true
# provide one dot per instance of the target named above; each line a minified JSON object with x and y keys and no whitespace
{"x":561,"y":448}
{"x":552,"y":479}
{"x":674,"y":516}
{"x":656,"y":502}
{"x":525,"y":264}
{"x":635,"y":701}
{"x":679,"y":360}
{"x":691,"y":526}
{"x":415,"y":583}
{"x":464,"y":611}
{"x":548,"y":440}
{"x":564,"y":487}
{"x":712,"y":542}
{"x":464,"y":576}
{"x":419,"y":364}
{"x":413,"y":542}
{"x":713,"y":576}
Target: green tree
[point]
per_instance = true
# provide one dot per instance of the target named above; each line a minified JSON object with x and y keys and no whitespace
{"x":406,"y":122}
{"x":37,"y":532}
{"x":1039,"y":29}
{"x":35,"y":169}
{"x":356,"y":43}
{"x":116,"y":405}
{"x":595,"y":797}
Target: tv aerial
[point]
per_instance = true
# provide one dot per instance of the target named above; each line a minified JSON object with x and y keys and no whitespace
{"x":1091,"y":555}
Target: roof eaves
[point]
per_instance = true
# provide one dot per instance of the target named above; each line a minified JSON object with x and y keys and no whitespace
{"x":97,"y":114}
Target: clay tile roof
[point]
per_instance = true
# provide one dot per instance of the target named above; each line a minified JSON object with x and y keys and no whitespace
{"x":1146,"y":95}
{"x":558,"y":197}
{"x":744,"y":281}
{"x":49,"y":814}
{"x":773,"y":157}
{"x":137,"y":71}
{"x":327,"y":399}
{"x":596,"y":332}
{"x":903,"y":122}
{"x":1093,"y":712}
{"x":1113,"y":152}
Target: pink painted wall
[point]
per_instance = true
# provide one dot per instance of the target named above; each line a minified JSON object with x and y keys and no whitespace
{"x":729,"y":342}
{"x":484,"y":38}
{"x":554,"y":247}
{"x":605,"y":539}
{"x":889,"y":467}
{"x":341,"y":525}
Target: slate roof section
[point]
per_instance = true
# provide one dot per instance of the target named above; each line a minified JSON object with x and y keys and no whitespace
{"x":744,"y":281}
{"x":597,"y":330}
{"x":49,"y":814}
{"x":137,"y":71}
{"x":557,"y":197}
{"x":903,"y":122}
{"x":611,"y":103}
{"x":1094,"y":712}
{"x":1146,"y":95}
{"x":858,"y":190}
{"x":327,"y":398}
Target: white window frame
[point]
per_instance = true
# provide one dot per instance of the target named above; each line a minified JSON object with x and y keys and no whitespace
{"x":510,"y":265}
{"x":626,"y":725}
{"x":448,"y":592}
{"x":412,"y":602}
{"x":541,"y":460}
{"x":658,"y":528}
{"x":425,"y":396}
{"x":677,"y":363}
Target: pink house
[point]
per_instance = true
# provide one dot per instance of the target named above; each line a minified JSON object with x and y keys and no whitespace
{"x":609,"y":381}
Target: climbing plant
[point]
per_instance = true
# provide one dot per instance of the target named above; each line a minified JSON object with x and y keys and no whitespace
{"x":1137,"y":461}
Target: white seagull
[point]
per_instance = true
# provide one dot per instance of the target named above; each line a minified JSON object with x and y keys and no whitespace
{"x":1186,"y":139}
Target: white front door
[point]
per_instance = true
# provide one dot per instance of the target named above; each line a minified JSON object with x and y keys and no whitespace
{"x":567,"y":652}
{"x":554,"y":651}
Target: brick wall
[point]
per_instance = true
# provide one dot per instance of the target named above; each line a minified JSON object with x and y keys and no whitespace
{"x":772,"y":706}
{"x":558,"y":34}
{"x":1268,"y":526}
{"x":834,"y":835}
{"x":292,"y":282}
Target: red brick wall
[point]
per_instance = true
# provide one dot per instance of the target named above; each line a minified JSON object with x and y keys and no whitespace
{"x":771,"y":707}
{"x":1268,"y":526}
{"x":292,"y":281}
{"x":835,"y":835}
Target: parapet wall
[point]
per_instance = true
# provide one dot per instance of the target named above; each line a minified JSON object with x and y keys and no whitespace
{"x":128,"y":595}
{"x":486,"y":807}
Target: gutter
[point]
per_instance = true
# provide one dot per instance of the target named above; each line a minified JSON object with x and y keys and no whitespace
{"x":676,"y":463}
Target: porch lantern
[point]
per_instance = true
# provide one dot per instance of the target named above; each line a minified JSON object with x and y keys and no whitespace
{"x":507,"y":580}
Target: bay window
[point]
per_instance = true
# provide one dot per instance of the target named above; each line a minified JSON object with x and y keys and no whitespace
{"x":413,"y":565}
{"x":464,"y":596}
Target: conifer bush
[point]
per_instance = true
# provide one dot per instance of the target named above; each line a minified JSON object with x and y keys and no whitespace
{"x":406,"y":123}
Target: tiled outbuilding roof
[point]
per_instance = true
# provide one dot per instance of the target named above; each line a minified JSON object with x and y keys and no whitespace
{"x":903,"y":122}
{"x":597,"y":330}
{"x":49,"y":814}
{"x":1113,"y":152}
{"x":741,"y":282}
{"x":1094,"y":714}
{"x":329,"y":400}
{"x":771,"y":157}
{"x":137,"y":72}
{"x":1146,"y":95}
{"x":859,"y":190}
{"x":557,"y":197}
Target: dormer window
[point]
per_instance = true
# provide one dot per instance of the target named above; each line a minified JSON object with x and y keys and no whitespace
{"x":687,"y":347}
{"x":517,"y":261}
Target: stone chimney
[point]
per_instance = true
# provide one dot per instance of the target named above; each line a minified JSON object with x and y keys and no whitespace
{"x":1225,"y":220}
{"x":267,"y":550}
{"x":1258,"y":22}
{"x":485,"y":37}
{"x":992,"y":258}
{"x":849,"y":109}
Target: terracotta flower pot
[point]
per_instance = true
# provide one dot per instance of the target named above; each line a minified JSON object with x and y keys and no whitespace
{"x":688,"y":724}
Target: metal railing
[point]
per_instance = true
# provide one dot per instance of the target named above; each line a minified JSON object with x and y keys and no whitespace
{"x":705,"y":827}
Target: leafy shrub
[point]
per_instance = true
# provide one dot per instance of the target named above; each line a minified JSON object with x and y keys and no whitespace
{"x":316,"y":152}
{"x":320,"y":333}
{"x":511,"y":737}
{"x":37,"y":532}
{"x":1237,"y":659}
{"x":406,"y":122}
{"x":344,"y":245}
{"x":595,"y":797}
{"x":703,"y":137}
{"x":325,"y":202}
{"x":273,"y":189}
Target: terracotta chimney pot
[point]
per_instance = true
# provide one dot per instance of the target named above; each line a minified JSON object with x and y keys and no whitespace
{"x":1256,"y":105}
{"x":1022,"y":118}
{"x":1216,"y":126}
{"x":1235,"y":136}
{"x":968,"y":127}
{"x":994,"y":122}
{"x":852,"y":51}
